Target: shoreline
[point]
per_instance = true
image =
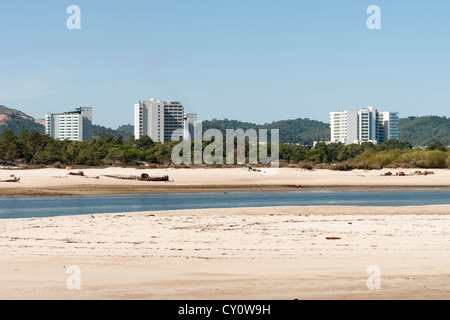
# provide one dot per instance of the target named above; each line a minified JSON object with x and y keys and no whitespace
{"x":58,"y":182}
{"x":88,"y":190}
{"x":308,"y":210}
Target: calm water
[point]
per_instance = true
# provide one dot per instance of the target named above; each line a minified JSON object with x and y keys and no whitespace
{"x":47,"y":207}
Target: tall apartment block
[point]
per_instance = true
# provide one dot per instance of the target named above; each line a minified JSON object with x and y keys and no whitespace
{"x":159,"y":119}
{"x":75,"y":125}
{"x":190,"y":120}
{"x":365,"y":125}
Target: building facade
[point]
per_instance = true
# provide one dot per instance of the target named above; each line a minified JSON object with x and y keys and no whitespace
{"x":159,"y":119}
{"x":365,"y":125}
{"x":75,"y":125}
{"x":190,"y":120}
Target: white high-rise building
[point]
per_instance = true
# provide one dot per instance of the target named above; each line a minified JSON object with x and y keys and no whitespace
{"x":388,"y":126}
{"x":159,"y":119}
{"x":344,"y":126}
{"x":365,"y":125}
{"x":368,"y":125}
{"x":74,"y":125}
{"x":190,"y":120}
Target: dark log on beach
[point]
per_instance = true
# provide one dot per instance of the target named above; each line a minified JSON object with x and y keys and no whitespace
{"x":11,"y":180}
{"x":79,"y":173}
{"x":142,"y":177}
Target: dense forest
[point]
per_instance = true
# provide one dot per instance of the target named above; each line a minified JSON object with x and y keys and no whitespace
{"x":421,"y":131}
{"x":34,"y":148}
{"x":298,"y":131}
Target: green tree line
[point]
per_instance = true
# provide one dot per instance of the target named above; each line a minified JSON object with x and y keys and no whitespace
{"x":35,"y":148}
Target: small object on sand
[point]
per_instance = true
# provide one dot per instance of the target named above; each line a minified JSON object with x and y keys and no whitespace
{"x":12,"y":179}
{"x":79,"y":173}
{"x":332,"y":238}
{"x":253,"y":169}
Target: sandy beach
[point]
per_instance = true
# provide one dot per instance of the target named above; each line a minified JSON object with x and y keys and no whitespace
{"x":57,"y":182}
{"x":240,"y":253}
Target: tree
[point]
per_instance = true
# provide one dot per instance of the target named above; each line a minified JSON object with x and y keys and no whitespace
{"x":344,"y":154}
{"x":144,"y":143}
{"x":31,"y":143}
{"x":10,"y":147}
{"x":437,"y":145}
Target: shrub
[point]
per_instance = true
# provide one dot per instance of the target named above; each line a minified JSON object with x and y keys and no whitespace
{"x":343,"y":166}
{"x":58,"y":165}
{"x":436,"y":159}
{"x":305,"y":165}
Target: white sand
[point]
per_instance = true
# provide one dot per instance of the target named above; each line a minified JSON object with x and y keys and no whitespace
{"x":59,"y":178}
{"x":240,"y":253}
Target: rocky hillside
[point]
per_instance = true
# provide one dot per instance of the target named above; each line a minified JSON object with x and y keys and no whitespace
{"x":11,"y":119}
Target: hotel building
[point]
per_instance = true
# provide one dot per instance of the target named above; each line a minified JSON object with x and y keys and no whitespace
{"x":75,"y":125}
{"x":159,"y":119}
{"x":365,"y":125}
{"x":190,"y":120}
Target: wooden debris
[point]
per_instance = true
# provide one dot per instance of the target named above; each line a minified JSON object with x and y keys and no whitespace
{"x":415,"y":173}
{"x":12,"y":179}
{"x":421,"y":173}
{"x":332,"y":238}
{"x":79,"y":173}
{"x":142,"y":177}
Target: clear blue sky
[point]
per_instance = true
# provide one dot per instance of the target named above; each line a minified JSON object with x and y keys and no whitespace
{"x":251,"y":60}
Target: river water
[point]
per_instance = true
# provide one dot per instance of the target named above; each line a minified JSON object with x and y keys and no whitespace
{"x":60,"y":206}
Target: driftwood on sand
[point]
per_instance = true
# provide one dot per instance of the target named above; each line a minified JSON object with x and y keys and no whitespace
{"x":142,"y":177}
{"x":403,"y":174}
{"x":11,"y":179}
{"x":79,"y":173}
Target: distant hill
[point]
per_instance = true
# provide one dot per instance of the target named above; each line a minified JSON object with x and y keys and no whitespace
{"x":17,"y":121}
{"x":421,"y":131}
{"x":127,"y":129}
{"x":300,"y":131}
{"x":11,"y":119}
{"x":98,"y":131}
